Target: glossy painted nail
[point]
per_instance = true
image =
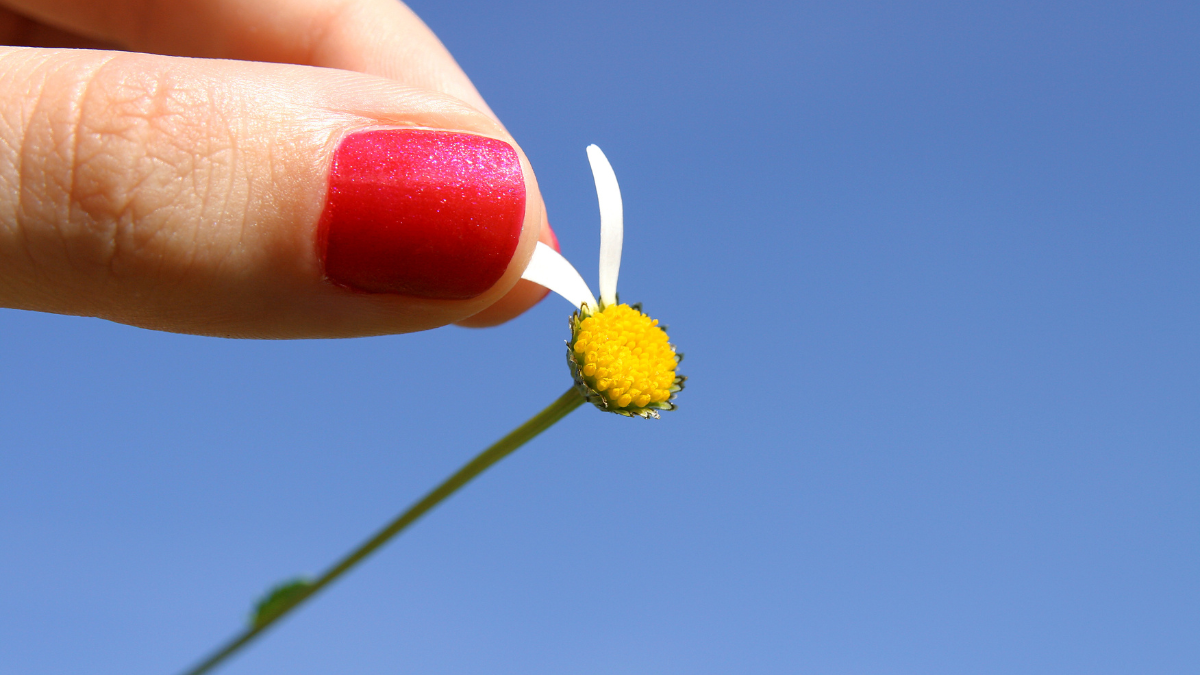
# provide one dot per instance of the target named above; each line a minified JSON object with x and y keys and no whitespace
{"x":433,"y":214}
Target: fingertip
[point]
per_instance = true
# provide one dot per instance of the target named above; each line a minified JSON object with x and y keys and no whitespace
{"x":548,"y":236}
{"x":523,"y":296}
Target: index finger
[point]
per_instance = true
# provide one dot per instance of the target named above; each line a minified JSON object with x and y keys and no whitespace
{"x":376,"y":37}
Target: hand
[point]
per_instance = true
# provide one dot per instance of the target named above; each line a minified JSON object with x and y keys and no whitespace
{"x":194,"y":194}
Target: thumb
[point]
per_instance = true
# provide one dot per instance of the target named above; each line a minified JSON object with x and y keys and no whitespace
{"x":252,"y":200}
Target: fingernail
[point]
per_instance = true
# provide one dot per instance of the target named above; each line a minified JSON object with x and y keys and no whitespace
{"x":432,"y":214}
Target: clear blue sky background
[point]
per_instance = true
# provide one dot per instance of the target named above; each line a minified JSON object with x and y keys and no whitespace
{"x":936,"y":268}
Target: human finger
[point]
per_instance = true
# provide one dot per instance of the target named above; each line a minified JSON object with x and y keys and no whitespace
{"x":21,"y":31}
{"x":252,"y":200}
{"x":378,"y":37}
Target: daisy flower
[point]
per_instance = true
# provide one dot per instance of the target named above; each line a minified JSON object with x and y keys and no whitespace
{"x":621,"y":360}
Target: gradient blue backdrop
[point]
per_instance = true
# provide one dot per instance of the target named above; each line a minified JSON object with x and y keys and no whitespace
{"x":936,"y":267}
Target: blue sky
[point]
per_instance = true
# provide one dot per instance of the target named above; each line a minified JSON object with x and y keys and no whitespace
{"x":935,"y":269}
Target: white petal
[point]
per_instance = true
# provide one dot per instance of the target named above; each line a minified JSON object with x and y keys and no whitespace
{"x":612,"y":223}
{"x":548,"y":268}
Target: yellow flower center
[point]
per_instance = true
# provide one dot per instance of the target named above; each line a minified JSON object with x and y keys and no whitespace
{"x":625,"y":356}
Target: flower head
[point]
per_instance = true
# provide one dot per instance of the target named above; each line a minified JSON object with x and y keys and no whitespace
{"x":621,"y":359}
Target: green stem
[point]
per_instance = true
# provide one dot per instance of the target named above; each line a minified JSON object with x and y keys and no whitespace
{"x":498,"y":451}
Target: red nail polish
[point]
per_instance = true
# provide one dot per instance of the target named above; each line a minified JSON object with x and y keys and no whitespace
{"x":433,"y":214}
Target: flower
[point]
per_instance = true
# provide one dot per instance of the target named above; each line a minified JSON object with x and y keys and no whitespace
{"x":621,"y":360}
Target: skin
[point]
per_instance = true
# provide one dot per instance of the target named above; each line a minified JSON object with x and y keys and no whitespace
{"x":183,"y":194}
